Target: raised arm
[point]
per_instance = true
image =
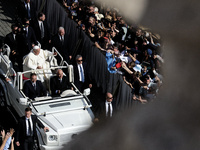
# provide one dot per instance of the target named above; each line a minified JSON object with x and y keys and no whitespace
{"x":126,"y":68}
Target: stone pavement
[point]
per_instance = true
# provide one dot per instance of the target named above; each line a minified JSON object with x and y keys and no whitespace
{"x":7,"y":15}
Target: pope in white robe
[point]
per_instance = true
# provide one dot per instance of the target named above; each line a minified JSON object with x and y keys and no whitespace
{"x":38,"y":59}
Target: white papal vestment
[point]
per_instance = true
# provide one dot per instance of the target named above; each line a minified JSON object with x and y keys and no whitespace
{"x":32,"y":61}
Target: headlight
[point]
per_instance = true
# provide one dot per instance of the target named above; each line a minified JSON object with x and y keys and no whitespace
{"x":52,"y":138}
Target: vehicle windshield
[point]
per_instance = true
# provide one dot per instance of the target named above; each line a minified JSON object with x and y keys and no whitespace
{"x":59,"y":105}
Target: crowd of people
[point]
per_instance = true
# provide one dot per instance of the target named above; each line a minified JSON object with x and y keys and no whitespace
{"x":130,"y":50}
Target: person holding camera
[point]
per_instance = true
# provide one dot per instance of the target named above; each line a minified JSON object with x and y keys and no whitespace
{"x":26,"y":132}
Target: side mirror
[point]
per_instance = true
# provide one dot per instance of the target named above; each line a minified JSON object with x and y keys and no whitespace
{"x":23,"y":101}
{"x":86,"y":92}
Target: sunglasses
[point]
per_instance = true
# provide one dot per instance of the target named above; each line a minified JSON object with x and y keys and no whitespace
{"x":79,"y":60}
{"x":110,"y":97}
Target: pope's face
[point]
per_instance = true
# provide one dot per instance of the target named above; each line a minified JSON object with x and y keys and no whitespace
{"x":37,"y":51}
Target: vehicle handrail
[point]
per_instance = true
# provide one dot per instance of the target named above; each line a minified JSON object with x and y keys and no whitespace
{"x":20,"y":78}
{"x":76,"y":89}
{"x":6,"y":49}
{"x":59,"y":111}
{"x":54,"y":49}
{"x":64,"y":62}
{"x":8,"y":67}
{"x":87,"y":100}
{"x":87,"y":103}
{"x":57,"y":100}
{"x":35,"y":103}
{"x":51,"y":68}
{"x":15,"y":78}
{"x":4,"y":61}
{"x":20,"y":81}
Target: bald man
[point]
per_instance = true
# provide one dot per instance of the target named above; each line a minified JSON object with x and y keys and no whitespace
{"x":105,"y":109}
{"x":59,"y":83}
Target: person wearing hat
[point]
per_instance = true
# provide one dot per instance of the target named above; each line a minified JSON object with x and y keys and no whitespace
{"x":37,"y":59}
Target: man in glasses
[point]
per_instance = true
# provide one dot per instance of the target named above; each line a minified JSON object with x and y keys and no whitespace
{"x":105,"y":109}
{"x":81,"y":76}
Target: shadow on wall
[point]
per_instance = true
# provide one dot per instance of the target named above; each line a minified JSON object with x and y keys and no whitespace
{"x":172,"y":122}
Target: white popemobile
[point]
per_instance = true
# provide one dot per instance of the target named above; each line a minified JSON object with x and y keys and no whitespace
{"x":66,"y":116}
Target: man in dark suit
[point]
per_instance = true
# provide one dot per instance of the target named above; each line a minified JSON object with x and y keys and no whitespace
{"x":59,"y":83}
{"x":11,"y":41}
{"x":105,"y":109}
{"x":30,"y":36}
{"x":10,"y":38}
{"x":26,"y":9}
{"x":59,"y":41}
{"x":81,"y":76}
{"x":42,"y":32}
{"x":26,"y":131}
{"x":25,"y":40}
{"x":34,"y":88}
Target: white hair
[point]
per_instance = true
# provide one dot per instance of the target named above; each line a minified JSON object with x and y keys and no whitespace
{"x":61,"y":28}
{"x":78,"y":56}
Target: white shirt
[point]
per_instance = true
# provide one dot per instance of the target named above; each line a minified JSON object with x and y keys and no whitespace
{"x":26,"y":31}
{"x":40,"y":22}
{"x":14,"y":35}
{"x":111,"y":108}
{"x":80,"y":65}
{"x":26,"y":5}
{"x":125,"y":32}
{"x":124,"y":58}
{"x":27,"y":126}
{"x":61,"y":37}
